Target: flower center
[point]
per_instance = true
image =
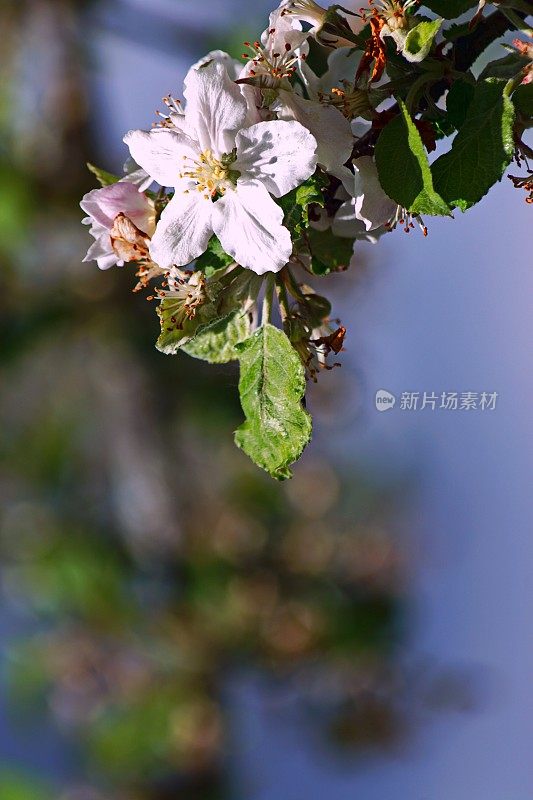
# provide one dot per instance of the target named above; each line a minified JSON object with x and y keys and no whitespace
{"x":350,"y":100}
{"x":212,"y":175}
{"x":269,"y":64}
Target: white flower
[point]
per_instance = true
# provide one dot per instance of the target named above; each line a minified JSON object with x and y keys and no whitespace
{"x":284,"y":44}
{"x":327,"y":25}
{"x":329,"y":127}
{"x":134,"y":174}
{"x":223,"y":176}
{"x":342,"y":67}
{"x":104,"y":206}
{"x":283,"y":51}
{"x":368,"y":207}
{"x":235,"y":70}
{"x":306,"y":11}
{"x":273,"y":61}
{"x":233,"y":65}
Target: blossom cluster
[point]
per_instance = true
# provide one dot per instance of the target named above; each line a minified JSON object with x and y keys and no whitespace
{"x":245,"y":137}
{"x":274,"y":166}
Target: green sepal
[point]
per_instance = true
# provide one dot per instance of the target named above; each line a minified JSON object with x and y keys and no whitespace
{"x":419,"y":40}
{"x":214,"y":258}
{"x":296,"y":203}
{"x":104,"y":178}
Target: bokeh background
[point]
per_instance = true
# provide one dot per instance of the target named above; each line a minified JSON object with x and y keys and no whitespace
{"x":173,"y":623}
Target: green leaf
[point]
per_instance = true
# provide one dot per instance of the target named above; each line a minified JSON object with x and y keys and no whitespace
{"x":213,"y":300}
{"x":271,"y":387}
{"x":523,"y":99}
{"x":506,"y":67}
{"x":296,"y":203}
{"x":458,"y":101}
{"x":403,"y":167}
{"x":214,"y":258}
{"x":329,"y":253}
{"x":104,"y":178}
{"x":481,"y":150}
{"x":455,"y":31}
{"x":216,"y":341}
{"x":450,"y":9}
{"x":419,"y":40}
{"x":173,"y":337}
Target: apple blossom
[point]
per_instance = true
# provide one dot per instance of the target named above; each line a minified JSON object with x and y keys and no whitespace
{"x":328,"y":26}
{"x":273,"y":171}
{"x":223,"y":176}
{"x":368,"y":207}
{"x":107,"y":208}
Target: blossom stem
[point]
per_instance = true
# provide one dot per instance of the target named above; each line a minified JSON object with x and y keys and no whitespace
{"x":268,"y":298}
{"x":283,"y":298}
{"x":294,"y":287}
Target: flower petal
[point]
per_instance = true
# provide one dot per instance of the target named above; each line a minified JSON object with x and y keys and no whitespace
{"x":284,"y":30}
{"x":184,"y":230}
{"x":104,"y":204}
{"x":233,"y":65}
{"x":345,"y":223}
{"x":101,"y":250}
{"x":330,"y":128}
{"x":342,"y":66}
{"x":279,"y":154}
{"x":161,"y":152}
{"x":249,"y":225}
{"x":137,"y":175}
{"x":215,"y":110}
{"x":372,"y":205}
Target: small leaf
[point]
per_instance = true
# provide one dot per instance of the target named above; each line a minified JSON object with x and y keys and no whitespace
{"x":455,"y":31}
{"x":271,"y":387}
{"x":506,"y":67}
{"x":450,"y":9}
{"x":192,"y":306}
{"x":403,"y":167}
{"x":458,"y":101}
{"x":173,"y":337}
{"x":481,"y":150}
{"x":103,"y":177}
{"x":329,"y":253}
{"x":419,"y":40}
{"x":296,"y":203}
{"x":210,"y":300}
{"x":214,"y":258}
{"x":216,"y":341}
